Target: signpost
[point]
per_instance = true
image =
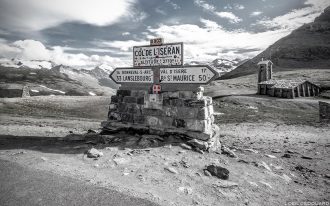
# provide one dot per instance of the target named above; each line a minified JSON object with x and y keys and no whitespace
{"x":159,"y":55}
{"x":162,"y":65}
{"x":161,"y":95}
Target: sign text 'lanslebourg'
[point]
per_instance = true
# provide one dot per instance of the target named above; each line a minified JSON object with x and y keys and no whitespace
{"x":121,"y":75}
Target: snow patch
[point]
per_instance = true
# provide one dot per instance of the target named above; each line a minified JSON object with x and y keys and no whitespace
{"x":34,"y":90}
{"x":33,"y":64}
{"x":55,"y":90}
{"x":92,"y":93}
{"x":218,"y":113}
{"x":106,"y":68}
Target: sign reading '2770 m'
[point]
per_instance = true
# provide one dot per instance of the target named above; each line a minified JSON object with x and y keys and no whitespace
{"x":162,"y":55}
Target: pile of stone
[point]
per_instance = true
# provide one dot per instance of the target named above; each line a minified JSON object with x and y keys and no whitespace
{"x":183,"y":112}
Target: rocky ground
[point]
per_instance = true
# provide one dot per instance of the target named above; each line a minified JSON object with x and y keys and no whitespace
{"x":276,"y":151}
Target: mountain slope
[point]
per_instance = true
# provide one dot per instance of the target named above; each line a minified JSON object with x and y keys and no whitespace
{"x":59,"y":80}
{"x":306,"y":47}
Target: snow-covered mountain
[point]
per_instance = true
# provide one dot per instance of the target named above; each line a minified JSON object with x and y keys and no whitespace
{"x":33,"y":64}
{"x":46,"y":78}
{"x":222,"y":65}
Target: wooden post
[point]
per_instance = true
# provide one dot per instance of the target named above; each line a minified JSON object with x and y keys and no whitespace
{"x":312,"y":90}
{"x":281,"y":93}
{"x":303,"y":90}
{"x":308,"y":94}
{"x":298,"y":91}
{"x":258,"y":89}
{"x":264,"y":89}
{"x":292,"y":93}
{"x":272,"y":92}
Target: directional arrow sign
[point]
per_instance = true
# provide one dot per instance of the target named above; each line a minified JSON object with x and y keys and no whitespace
{"x":198,"y":74}
{"x":132,"y":75}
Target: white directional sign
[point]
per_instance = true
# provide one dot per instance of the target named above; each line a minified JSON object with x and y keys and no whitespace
{"x":129,"y":75}
{"x":161,"y":55}
{"x":190,"y":74}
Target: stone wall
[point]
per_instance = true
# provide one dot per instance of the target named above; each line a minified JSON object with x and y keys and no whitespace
{"x":167,"y":111}
{"x":324,"y":111}
{"x":10,"y":93}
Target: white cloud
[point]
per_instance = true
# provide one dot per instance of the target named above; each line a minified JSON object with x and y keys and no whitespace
{"x":32,"y":50}
{"x":125,"y":33}
{"x":214,"y":41}
{"x":256,"y":13}
{"x":296,"y":17}
{"x":210,"y":24}
{"x":239,"y":6}
{"x":212,"y":9}
{"x":162,"y":12}
{"x":235,"y":6}
{"x":174,"y":5}
{"x":121,"y":45}
{"x":35,"y":50}
{"x":204,"y":5}
{"x":137,"y":16}
{"x":37,"y":15}
{"x":230,"y":16}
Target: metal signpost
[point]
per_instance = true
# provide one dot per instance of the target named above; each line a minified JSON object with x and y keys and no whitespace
{"x":162,"y":64}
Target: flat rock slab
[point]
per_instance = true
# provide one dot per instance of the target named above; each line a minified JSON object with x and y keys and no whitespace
{"x":225,"y":184}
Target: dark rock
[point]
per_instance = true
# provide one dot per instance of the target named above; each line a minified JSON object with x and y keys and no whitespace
{"x":290,"y":151}
{"x":218,"y":171}
{"x":90,"y":131}
{"x":184,"y":164}
{"x":74,"y":137}
{"x":286,"y":155}
{"x":106,"y":139}
{"x":243,"y":161}
{"x":303,"y":169}
{"x":306,"y":157}
{"x":276,"y":151}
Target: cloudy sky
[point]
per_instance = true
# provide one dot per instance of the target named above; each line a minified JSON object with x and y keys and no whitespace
{"x":91,"y":32}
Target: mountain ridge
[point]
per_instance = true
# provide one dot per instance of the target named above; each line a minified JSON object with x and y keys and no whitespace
{"x":306,"y":47}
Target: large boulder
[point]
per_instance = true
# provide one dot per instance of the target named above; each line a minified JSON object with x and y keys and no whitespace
{"x":218,"y":171}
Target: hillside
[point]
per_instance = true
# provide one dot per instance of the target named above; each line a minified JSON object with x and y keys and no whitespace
{"x":306,"y":47}
{"x":59,"y":80}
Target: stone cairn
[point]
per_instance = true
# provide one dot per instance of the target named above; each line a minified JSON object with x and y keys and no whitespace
{"x":186,"y":113}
